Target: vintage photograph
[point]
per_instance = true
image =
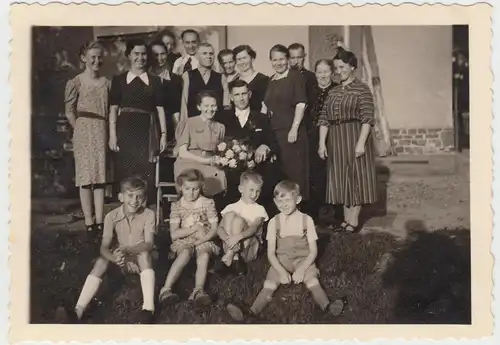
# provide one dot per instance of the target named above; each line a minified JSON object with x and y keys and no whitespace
{"x":250,"y":175}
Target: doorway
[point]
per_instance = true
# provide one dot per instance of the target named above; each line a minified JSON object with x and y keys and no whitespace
{"x":461,"y":88}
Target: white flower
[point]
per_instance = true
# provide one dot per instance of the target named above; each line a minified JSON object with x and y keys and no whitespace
{"x":235,"y":142}
{"x":224,"y":161}
{"x":236,"y":148}
{"x":251,"y":164}
{"x":242,"y":156}
{"x":244,"y":147}
{"x":221,"y":146}
{"x":229,"y":154}
{"x":232,"y":163}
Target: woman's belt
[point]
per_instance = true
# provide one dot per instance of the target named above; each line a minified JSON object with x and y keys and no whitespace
{"x":89,"y":115}
{"x":202,"y":153}
{"x":134,"y":110}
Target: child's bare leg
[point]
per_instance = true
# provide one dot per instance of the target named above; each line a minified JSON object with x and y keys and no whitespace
{"x":99,"y":203}
{"x":147,"y":280}
{"x":238,"y":225}
{"x":86,"y":201}
{"x":201,"y":269}
{"x":176,"y":269}
{"x":91,"y":286}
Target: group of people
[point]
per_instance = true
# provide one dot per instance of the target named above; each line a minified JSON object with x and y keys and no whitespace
{"x":311,"y":138}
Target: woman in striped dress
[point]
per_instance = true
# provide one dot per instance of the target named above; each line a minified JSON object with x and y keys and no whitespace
{"x":345,"y":141}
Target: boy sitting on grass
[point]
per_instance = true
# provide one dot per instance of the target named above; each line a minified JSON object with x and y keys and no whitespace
{"x":291,"y":251}
{"x":241,"y":225}
{"x":134,"y":226}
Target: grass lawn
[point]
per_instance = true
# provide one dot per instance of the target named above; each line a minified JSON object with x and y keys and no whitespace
{"x":423,"y":279}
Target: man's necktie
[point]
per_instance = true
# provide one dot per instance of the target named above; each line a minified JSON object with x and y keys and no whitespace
{"x":187,"y":66}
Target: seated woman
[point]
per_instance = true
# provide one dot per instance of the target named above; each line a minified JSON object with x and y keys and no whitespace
{"x":197,"y":139}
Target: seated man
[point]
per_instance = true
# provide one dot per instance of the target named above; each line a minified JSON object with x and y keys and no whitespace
{"x":252,"y":128}
{"x":241,"y":227}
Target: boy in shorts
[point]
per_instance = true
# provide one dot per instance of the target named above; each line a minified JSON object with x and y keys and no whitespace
{"x":134,"y":227}
{"x":241,"y":227}
{"x":291,"y":251}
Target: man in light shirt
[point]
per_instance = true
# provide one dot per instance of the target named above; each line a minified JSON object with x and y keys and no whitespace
{"x":189,"y":61}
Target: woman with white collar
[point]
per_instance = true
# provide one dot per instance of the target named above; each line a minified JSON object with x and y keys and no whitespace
{"x":137,"y":118}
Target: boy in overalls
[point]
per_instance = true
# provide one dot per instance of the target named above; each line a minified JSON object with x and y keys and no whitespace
{"x":292,"y":251}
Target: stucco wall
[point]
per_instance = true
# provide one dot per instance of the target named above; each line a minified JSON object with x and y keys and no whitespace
{"x":416,"y":74}
{"x":262,"y":38}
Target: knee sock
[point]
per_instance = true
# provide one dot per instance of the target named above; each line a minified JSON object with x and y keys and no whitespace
{"x":89,"y":290}
{"x":319,"y":295}
{"x":261,"y":301}
{"x":148,"y":289}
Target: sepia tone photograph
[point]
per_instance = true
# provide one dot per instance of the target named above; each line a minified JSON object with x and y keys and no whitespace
{"x":250,"y":175}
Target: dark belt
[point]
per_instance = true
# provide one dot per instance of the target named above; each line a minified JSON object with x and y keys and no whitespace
{"x":89,"y":115}
{"x":135,"y":110}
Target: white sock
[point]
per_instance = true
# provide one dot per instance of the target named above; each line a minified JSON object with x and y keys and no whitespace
{"x":148,"y":289}
{"x":89,"y":290}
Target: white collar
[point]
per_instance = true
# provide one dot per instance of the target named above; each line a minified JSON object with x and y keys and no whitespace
{"x":144,"y":77}
{"x":281,"y":76}
{"x":241,"y":113}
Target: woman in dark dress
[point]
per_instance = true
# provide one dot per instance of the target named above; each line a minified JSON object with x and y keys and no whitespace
{"x":285,"y":102}
{"x":346,"y":143}
{"x":323,"y":71}
{"x":257,"y":82}
{"x":137,"y":119}
{"x":172,"y":86}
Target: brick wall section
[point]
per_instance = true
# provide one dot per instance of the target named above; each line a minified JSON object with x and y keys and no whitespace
{"x":423,"y":140}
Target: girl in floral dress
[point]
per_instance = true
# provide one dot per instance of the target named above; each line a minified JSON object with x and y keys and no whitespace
{"x":86,"y":103}
{"x":193,"y":225}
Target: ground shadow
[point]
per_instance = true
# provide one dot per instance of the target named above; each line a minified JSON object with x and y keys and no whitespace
{"x":431,"y":273}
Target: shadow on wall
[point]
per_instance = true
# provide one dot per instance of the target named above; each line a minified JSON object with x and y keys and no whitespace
{"x":432,"y":275}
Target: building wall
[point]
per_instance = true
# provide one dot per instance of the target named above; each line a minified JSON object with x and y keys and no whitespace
{"x":262,"y":38}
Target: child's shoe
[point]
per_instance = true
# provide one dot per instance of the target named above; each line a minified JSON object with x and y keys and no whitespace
{"x":200,"y":297}
{"x":146,"y":317}
{"x":240,"y":312}
{"x":167,"y":296}
{"x":337,"y":307}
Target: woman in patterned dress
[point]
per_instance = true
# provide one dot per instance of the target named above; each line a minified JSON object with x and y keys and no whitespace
{"x":345,"y":141}
{"x":136,"y":109}
{"x":86,"y":98}
{"x":323,"y":71}
{"x":197,"y":139}
{"x":257,"y":82}
{"x":285,"y":102}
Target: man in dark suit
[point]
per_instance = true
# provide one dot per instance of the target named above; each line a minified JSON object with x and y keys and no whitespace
{"x":253,"y":128}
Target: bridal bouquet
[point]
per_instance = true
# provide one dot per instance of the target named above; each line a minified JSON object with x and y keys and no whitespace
{"x":234,"y":154}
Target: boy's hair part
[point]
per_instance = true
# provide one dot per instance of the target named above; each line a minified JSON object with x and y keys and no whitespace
{"x":133,"y":183}
{"x":286,"y":187}
{"x":251,"y":176}
{"x":190,"y":175}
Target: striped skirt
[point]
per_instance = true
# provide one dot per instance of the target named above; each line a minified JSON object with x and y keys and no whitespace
{"x":351,"y":181}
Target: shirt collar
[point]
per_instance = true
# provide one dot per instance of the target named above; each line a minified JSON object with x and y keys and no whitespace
{"x":281,"y":76}
{"x":242,"y":113}
{"x":144,"y":77}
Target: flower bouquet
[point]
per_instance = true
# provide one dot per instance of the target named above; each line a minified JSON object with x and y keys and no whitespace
{"x":234,"y":155}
